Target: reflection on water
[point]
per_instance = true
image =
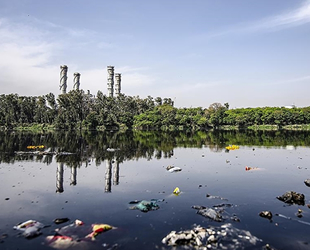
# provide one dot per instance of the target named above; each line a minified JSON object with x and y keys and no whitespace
{"x":110,"y":164}
{"x":133,"y":145}
{"x":60,"y":178}
{"x":96,"y":176}
{"x":73,"y":176}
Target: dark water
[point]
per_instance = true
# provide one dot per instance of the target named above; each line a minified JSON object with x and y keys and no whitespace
{"x":96,"y":183}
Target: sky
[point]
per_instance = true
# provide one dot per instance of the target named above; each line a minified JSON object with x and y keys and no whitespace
{"x":248,"y":53}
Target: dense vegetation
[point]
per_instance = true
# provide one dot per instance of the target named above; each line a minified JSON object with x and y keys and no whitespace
{"x":77,"y":110}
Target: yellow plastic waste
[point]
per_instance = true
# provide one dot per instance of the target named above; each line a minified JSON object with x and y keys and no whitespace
{"x":35,"y":147}
{"x":97,"y":229}
{"x":232,"y":147}
{"x":176,"y":191}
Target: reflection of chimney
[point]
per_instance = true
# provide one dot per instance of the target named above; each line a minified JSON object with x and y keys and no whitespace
{"x":108,"y":176}
{"x":76,"y":81}
{"x":73,"y":176}
{"x":115,"y":173}
{"x":60,"y":178}
{"x":110,"y":80}
{"x":117,"y":83}
{"x":63,"y":79}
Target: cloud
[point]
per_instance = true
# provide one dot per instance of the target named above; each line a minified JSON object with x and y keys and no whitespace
{"x":303,"y":79}
{"x":27,"y":61}
{"x":24,"y":59}
{"x":288,"y":19}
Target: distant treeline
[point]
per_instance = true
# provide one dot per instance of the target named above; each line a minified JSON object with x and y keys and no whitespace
{"x":78,"y":110}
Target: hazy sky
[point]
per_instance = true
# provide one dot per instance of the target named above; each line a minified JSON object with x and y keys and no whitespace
{"x":248,"y":53}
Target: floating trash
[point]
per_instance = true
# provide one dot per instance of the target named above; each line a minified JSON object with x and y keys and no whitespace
{"x":61,"y":220}
{"x":266,"y":214}
{"x":215,"y":197}
{"x":97,"y":229}
{"x":292,"y":197}
{"x":172,"y":169}
{"x":223,"y":237}
{"x":209,"y":213}
{"x":307,"y":182}
{"x":76,"y":235}
{"x":250,"y":168}
{"x":176,"y":191}
{"x":74,"y":229}
{"x":36,"y":147}
{"x":66,"y":242}
{"x":30,"y":228}
{"x":232,"y":147}
{"x":145,"y":206}
{"x":299,"y":213}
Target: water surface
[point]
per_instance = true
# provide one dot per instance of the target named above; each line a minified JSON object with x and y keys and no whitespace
{"x":106,"y":171}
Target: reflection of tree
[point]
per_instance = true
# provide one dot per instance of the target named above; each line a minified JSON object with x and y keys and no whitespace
{"x":75,"y":150}
{"x":132,"y":144}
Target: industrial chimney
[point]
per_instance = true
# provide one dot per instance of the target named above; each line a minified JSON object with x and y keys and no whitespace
{"x":118,"y":78}
{"x":63,"y":78}
{"x":110,"y":80}
{"x":76,"y":81}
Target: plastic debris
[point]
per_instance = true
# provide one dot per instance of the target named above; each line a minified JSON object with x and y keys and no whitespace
{"x":30,"y":228}
{"x":72,"y":229}
{"x":307,"y":182}
{"x":224,"y":237}
{"x":292,"y":197}
{"x":97,"y":229}
{"x":76,"y":235}
{"x":145,"y":206}
{"x":35,"y":147}
{"x":266,"y":214}
{"x":66,"y":242}
{"x":209,"y":213}
{"x":250,"y":168}
{"x":215,"y":197}
{"x":172,"y":169}
{"x":176,"y":191}
{"x":223,"y":205}
{"x":232,"y":147}
{"x":61,"y":220}
{"x":299,"y":213}
{"x":268,"y":247}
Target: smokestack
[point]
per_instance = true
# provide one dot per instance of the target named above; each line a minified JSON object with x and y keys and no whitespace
{"x":110,"y":80}
{"x":76,"y":81}
{"x":118,"y":79}
{"x":63,"y":78}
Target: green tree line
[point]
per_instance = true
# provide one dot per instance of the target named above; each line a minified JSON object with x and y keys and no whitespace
{"x":79,"y":110}
{"x":75,"y":110}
